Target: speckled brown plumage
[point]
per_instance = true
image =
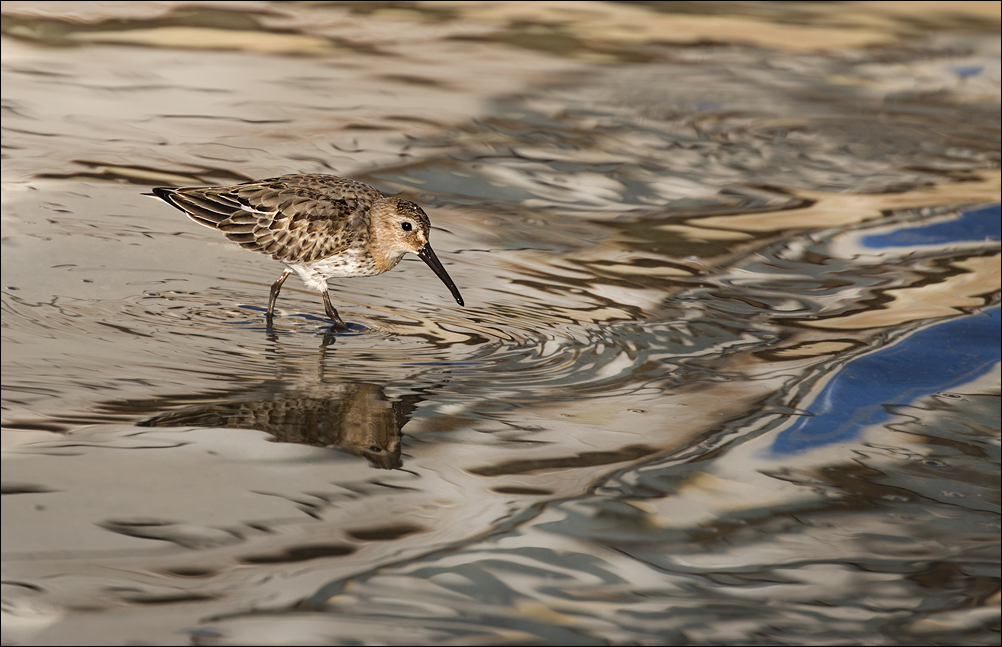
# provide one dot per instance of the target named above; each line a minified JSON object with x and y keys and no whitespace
{"x":320,"y":226}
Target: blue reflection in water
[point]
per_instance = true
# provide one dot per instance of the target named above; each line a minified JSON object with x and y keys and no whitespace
{"x":974,"y":225}
{"x":967,"y":71}
{"x":934,"y":359}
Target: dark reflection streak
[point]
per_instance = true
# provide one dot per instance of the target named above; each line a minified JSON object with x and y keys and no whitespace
{"x":123,"y":329}
{"x":23,"y":488}
{"x":110,"y":172}
{"x":31,"y":132}
{"x":240,"y":120}
{"x":34,"y":72}
{"x":583,"y":459}
{"x":170,"y":599}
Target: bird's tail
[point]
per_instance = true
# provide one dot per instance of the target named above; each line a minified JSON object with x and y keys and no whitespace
{"x":203,"y":211}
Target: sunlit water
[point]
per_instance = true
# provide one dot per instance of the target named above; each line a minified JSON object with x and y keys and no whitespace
{"x":728,"y":370}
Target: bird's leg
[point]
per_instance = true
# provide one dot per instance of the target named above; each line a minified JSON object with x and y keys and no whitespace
{"x":275,"y":289}
{"x":332,"y":313}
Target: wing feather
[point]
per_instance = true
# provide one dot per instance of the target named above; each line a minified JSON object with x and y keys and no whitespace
{"x":293,"y":218}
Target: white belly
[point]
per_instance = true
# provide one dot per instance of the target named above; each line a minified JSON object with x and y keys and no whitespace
{"x":344,"y":265}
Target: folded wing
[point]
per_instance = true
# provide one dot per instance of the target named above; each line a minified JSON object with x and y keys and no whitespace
{"x":293,"y":218}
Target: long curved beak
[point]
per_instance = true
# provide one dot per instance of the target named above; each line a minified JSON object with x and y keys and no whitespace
{"x":428,"y":256}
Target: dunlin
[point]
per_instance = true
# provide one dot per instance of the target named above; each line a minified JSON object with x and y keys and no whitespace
{"x":319,"y":226}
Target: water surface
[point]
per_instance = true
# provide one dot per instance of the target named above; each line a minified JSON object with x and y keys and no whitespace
{"x":728,"y":371}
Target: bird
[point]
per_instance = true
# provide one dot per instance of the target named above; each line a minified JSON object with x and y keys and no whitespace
{"x":320,"y":226}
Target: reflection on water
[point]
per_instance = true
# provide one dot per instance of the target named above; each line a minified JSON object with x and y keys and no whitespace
{"x":728,"y":372}
{"x":355,"y":418}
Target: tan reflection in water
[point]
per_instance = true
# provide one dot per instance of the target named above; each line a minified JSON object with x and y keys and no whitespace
{"x":356,"y":418}
{"x":839,"y":210}
{"x":981,"y":276}
{"x":209,"y":38}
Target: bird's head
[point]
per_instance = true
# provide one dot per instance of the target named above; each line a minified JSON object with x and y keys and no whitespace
{"x":398,"y":227}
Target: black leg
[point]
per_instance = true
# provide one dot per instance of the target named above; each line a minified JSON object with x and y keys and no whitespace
{"x":332,"y":313}
{"x":275,"y":289}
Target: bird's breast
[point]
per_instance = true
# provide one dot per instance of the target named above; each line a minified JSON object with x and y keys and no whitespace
{"x":351,"y":262}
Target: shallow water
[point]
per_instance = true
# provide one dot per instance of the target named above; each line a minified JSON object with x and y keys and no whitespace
{"x":728,"y":370}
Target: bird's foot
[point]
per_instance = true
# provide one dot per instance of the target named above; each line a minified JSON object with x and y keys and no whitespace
{"x":339,"y":324}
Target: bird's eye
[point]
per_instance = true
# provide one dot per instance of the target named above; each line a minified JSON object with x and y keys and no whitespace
{"x":406,"y":226}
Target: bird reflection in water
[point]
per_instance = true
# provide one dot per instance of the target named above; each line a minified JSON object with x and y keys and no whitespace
{"x":354,"y":417}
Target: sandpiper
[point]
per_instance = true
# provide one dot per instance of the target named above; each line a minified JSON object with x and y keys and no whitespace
{"x":319,"y":226}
